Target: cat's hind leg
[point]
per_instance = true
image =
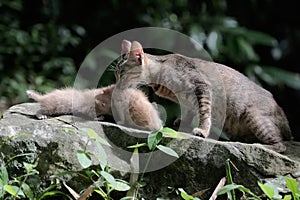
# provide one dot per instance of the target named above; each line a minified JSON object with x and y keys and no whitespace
{"x":267,"y":132}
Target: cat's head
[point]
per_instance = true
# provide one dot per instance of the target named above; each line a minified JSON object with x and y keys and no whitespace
{"x":132,"y":60}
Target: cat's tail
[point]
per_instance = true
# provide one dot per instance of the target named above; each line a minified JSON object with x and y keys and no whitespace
{"x":33,"y":95}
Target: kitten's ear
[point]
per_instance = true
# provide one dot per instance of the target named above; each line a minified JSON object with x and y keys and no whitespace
{"x":108,"y":89}
{"x":136,"y":56}
{"x":126,"y":45}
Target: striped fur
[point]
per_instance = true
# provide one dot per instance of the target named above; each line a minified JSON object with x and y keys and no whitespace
{"x":202,"y":86}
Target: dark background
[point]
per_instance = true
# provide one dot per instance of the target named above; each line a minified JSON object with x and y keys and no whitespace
{"x":42,"y":43}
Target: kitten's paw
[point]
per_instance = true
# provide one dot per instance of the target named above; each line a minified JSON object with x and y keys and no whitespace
{"x":41,"y":116}
{"x":200,"y":132}
{"x":100,"y":118}
{"x":30,"y":93}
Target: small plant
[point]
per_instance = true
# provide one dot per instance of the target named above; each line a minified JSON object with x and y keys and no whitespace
{"x":186,"y":196}
{"x":270,"y":190}
{"x":16,"y":187}
{"x":105,"y":182}
{"x":153,"y":143}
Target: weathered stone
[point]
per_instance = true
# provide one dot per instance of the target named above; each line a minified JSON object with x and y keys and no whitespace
{"x":200,"y":166}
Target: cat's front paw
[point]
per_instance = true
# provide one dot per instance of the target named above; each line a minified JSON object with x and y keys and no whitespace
{"x":200,"y":132}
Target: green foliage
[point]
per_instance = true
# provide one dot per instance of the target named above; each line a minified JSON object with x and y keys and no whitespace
{"x":226,"y":41}
{"x":293,"y":186}
{"x":105,"y":179}
{"x":155,"y":138}
{"x":186,"y":196}
{"x":18,"y":186}
{"x":274,"y":76}
{"x":84,"y":159}
{"x":33,"y":56}
{"x":220,"y":34}
{"x":231,"y":187}
{"x":270,"y":190}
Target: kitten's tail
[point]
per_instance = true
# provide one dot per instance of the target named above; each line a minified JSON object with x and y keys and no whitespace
{"x":33,"y":95}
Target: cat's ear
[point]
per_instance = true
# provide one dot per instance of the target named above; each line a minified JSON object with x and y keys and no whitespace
{"x":126,"y":46}
{"x":136,"y":56}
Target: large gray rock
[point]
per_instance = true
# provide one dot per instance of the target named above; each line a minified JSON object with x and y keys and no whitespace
{"x":200,"y":166}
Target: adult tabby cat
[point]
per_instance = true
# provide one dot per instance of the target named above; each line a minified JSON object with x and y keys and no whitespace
{"x":250,"y":109}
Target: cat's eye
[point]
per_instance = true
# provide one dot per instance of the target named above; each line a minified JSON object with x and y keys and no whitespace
{"x":125,"y":56}
{"x":122,"y":61}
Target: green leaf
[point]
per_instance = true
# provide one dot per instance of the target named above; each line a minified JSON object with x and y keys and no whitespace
{"x":287,"y":197}
{"x":109,"y":178}
{"x":84,"y":159}
{"x":27,"y":190}
{"x":153,"y":139}
{"x":256,"y":37}
{"x":101,"y":192}
{"x":14,"y":190}
{"x":268,"y":191}
{"x":293,"y":186}
{"x":230,"y":187}
{"x":137,"y":146}
{"x":141,"y":183}
{"x":4,"y":175}
{"x":168,"y":151}
{"x":172,"y":133}
{"x":66,"y":129}
{"x":184,"y":195}
{"x":95,"y":136}
{"x":276,"y":76}
{"x":247,"y":48}
{"x":103,"y":141}
{"x":30,"y":167}
{"x":91,"y":133}
{"x":122,"y":186}
{"x":102,"y":157}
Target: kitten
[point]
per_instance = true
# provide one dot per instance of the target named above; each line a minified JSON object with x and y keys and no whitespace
{"x":132,"y":108}
{"x":92,"y":103}
{"x":250,"y":109}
